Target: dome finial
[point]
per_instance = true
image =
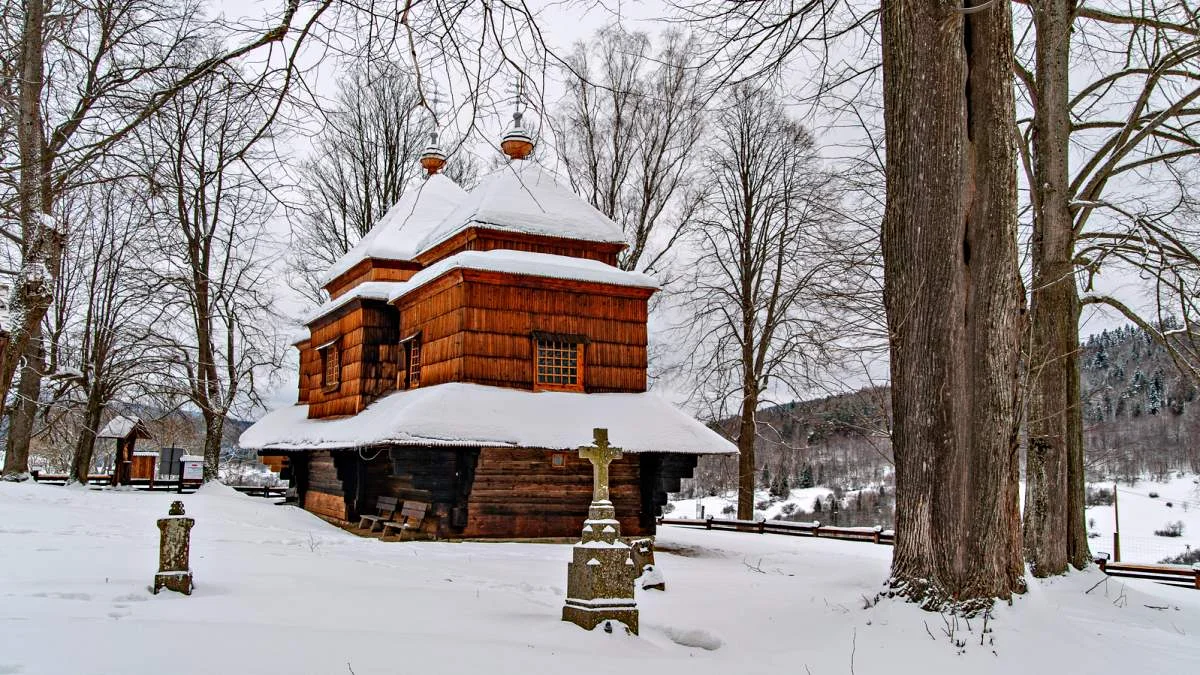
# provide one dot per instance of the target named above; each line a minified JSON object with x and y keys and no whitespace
{"x":517,"y":142}
{"x":432,"y":158}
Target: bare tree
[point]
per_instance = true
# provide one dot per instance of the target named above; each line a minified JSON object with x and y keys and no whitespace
{"x":756,"y":324}
{"x":111,"y":335}
{"x":210,"y":207}
{"x":364,"y":159}
{"x":1089,"y":155}
{"x":90,"y":75}
{"x":628,"y":134}
{"x":954,"y":301}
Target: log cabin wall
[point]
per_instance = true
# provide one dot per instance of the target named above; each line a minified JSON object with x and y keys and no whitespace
{"x":490,"y":493}
{"x":366,"y":335}
{"x":371,"y":269}
{"x":324,"y":493}
{"x":485,"y":239}
{"x":478,"y":327}
{"x":519,"y":493}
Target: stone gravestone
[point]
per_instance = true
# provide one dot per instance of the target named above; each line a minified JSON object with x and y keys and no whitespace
{"x":642,"y":553}
{"x":600,"y":576}
{"x":174,"y":572}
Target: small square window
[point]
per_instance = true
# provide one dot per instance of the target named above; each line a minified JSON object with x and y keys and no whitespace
{"x":558,"y":363}
{"x":558,"y":460}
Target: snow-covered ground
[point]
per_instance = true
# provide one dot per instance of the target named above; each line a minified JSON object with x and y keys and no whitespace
{"x":279,"y":591}
{"x":1177,"y":500}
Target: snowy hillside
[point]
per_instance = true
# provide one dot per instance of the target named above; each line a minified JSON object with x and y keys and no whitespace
{"x":725,"y":505}
{"x":1146,"y":507}
{"x":278,"y":590}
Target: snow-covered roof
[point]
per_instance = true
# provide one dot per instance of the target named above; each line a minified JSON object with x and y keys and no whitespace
{"x":527,"y":264}
{"x":368,"y":290}
{"x":396,"y":236}
{"x":523,"y":197}
{"x":119,"y":427}
{"x":458,"y":414}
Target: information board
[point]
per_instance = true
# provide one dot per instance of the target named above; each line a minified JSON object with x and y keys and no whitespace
{"x":193,"y":470}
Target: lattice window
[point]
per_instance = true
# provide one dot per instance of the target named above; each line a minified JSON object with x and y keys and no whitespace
{"x":559,"y":364}
{"x":331,"y":360}
{"x":412,"y":359}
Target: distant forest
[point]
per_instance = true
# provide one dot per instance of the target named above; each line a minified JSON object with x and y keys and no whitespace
{"x":1141,"y":418}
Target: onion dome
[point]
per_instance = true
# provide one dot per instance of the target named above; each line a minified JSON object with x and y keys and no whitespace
{"x":517,"y":142}
{"x":432,"y":157}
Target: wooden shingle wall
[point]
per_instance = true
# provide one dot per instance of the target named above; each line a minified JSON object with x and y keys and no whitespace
{"x":372,"y":269}
{"x":366,"y":333}
{"x":484,"y":239}
{"x":478,"y":327}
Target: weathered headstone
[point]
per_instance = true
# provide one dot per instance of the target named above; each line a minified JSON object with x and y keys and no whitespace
{"x":174,"y":544}
{"x":642,"y":553}
{"x":600,"y":576}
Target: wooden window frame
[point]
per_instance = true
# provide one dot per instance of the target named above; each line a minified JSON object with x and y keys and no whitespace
{"x":326,"y":352}
{"x":558,"y":460}
{"x":556,"y":341}
{"x":410,"y":376}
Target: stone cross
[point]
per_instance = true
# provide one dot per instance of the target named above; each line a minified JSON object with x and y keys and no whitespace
{"x":600,"y":575}
{"x":601,"y":455}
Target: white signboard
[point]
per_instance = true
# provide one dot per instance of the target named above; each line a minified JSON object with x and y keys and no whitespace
{"x":193,"y":470}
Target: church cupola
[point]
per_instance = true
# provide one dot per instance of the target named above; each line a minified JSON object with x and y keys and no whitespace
{"x":518,"y":141}
{"x":433,"y":158}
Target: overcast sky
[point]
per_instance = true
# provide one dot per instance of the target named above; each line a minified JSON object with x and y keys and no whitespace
{"x":562,"y":24}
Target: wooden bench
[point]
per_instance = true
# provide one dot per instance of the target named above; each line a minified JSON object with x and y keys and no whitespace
{"x":411,"y":516}
{"x":385,"y":508}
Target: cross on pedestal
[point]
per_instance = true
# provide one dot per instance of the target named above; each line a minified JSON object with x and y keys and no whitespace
{"x":601,"y":454}
{"x":600,"y":575}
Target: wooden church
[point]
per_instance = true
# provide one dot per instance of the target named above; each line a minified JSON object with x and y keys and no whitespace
{"x":472,"y":342}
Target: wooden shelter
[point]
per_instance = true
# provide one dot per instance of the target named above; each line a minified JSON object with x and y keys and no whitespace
{"x":471,"y":343}
{"x":128,"y":464}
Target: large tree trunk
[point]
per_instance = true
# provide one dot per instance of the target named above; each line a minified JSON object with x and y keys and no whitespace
{"x":745,"y":443}
{"x":24,"y":410}
{"x":42,"y":243}
{"x":954,"y":301}
{"x":214,"y":429}
{"x":81,"y":460}
{"x":1054,"y":511}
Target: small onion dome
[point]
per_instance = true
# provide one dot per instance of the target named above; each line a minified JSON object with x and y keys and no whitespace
{"x":432,"y":157}
{"x":517,"y":142}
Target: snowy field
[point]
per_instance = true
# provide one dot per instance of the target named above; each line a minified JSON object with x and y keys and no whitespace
{"x":1176,"y":501}
{"x":279,"y":591}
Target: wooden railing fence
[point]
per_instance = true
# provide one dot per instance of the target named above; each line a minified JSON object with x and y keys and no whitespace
{"x":1170,"y":574}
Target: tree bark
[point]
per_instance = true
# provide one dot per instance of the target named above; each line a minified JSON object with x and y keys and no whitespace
{"x":1055,"y":534}
{"x":745,"y":443}
{"x":23,"y":411}
{"x":41,"y":248}
{"x":954,"y":301}
{"x":85,"y":445}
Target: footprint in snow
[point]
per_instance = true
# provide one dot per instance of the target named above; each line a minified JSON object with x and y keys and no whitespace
{"x":9,"y":669}
{"x":132,"y":597}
